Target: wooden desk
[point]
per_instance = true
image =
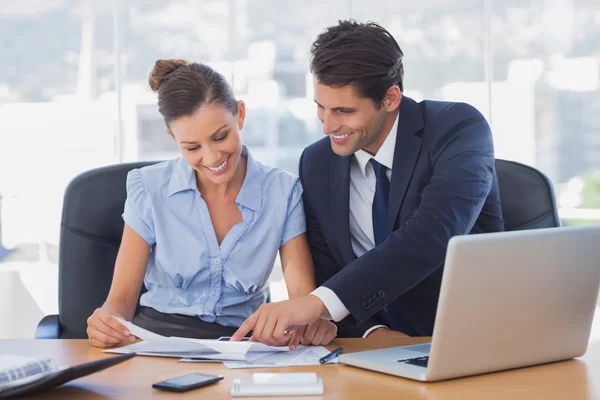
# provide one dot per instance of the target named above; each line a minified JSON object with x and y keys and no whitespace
{"x":574,"y":379}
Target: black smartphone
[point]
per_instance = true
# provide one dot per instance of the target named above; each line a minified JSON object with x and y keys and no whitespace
{"x":187,"y":382}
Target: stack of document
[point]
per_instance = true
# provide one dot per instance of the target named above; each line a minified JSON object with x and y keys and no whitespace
{"x":242,"y":354}
{"x":19,"y":371}
{"x":304,"y":355}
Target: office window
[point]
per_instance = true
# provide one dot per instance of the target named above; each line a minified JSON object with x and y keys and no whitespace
{"x":261,"y":49}
{"x":57,"y":109}
{"x":546,"y":96}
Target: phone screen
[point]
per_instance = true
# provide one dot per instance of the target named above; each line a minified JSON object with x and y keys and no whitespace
{"x":187,"y":382}
{"x":189,"y":379}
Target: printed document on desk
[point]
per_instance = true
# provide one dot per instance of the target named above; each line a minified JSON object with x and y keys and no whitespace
{"x":304,"y":355}
{"x":162,"y":346}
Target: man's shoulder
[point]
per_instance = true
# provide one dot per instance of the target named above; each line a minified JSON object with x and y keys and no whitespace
{"x":317,"y":155}
{"x":435,"y":110}
{"x":321,"y":148}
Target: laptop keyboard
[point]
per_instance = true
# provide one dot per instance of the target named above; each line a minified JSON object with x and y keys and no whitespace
{"x":419,"y":361}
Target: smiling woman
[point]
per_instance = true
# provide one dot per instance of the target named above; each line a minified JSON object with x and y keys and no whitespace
{"x":203,"y":231}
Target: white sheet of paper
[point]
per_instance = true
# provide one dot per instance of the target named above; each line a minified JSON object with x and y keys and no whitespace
{"x":191,"y":357}
{"x":304,"y":355}
{"x":235,"y":347}
{"x":141,"y":332}
{"x":151,"y":349}
{"x":122,"y":350}
{"x":155,"y":343}
{"x":248,"y":357}
{"x":167,"y":346}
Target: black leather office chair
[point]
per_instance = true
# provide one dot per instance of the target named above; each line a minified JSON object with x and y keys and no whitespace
{"x":527,"y":197}
{"x":90,"y":235}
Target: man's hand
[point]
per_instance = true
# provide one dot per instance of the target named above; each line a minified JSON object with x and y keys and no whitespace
{"x":319,"y":333}
{"x":385,"y":332}
{"x":272,"y":322}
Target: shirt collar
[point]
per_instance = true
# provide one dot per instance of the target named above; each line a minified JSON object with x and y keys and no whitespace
{"x":250,"y":196}
{"x":182,"y":178}
{"x":384,"y":156}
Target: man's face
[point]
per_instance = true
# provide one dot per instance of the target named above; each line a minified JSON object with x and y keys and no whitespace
{"x":351,"y":122}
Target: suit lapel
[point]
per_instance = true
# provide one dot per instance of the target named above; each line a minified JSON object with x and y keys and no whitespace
{"x":340,"y":205}
{"x":406,"y":154}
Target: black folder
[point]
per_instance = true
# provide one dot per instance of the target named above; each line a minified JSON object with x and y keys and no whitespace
{"x":57,"y":378}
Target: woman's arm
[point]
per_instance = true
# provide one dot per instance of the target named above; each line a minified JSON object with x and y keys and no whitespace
{"x":297,"y":265}
{"x":130,"y":267}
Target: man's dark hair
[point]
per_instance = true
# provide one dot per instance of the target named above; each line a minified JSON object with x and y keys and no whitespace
{"x":364,"y":55}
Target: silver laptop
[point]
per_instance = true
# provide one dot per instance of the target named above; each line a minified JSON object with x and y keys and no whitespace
{"x":507,"y":300}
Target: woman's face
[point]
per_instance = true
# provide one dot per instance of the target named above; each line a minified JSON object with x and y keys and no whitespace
{"x":209,"y":141}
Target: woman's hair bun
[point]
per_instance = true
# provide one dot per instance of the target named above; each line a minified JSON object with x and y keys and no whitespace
{"x":161,"y":69}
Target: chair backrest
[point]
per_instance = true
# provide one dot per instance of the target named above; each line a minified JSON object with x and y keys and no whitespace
{"x":90,"y":235}
{"x":527,"y":197}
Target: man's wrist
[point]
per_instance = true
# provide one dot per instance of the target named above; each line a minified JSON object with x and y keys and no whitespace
{"x":335,"y":309}
{"x":319,"y":303}
{"x":373,"y":329}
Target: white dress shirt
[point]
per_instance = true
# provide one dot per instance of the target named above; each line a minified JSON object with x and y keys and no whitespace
{"x":362,"y":192}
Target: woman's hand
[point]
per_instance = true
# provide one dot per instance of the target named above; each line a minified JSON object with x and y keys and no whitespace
{"x":318,"y":333}
{"x":105,"y":331}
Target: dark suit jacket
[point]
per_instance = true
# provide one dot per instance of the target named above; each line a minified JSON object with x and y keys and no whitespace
{"x":443,"y":184}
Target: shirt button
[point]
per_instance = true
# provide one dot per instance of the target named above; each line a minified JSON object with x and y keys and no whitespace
{"x":217,"y":261}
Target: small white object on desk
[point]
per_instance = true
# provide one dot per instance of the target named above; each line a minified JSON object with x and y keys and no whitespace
{"x":278,"y":384}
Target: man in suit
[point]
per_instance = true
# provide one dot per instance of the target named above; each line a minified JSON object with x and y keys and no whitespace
{"x":384,"y":192}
